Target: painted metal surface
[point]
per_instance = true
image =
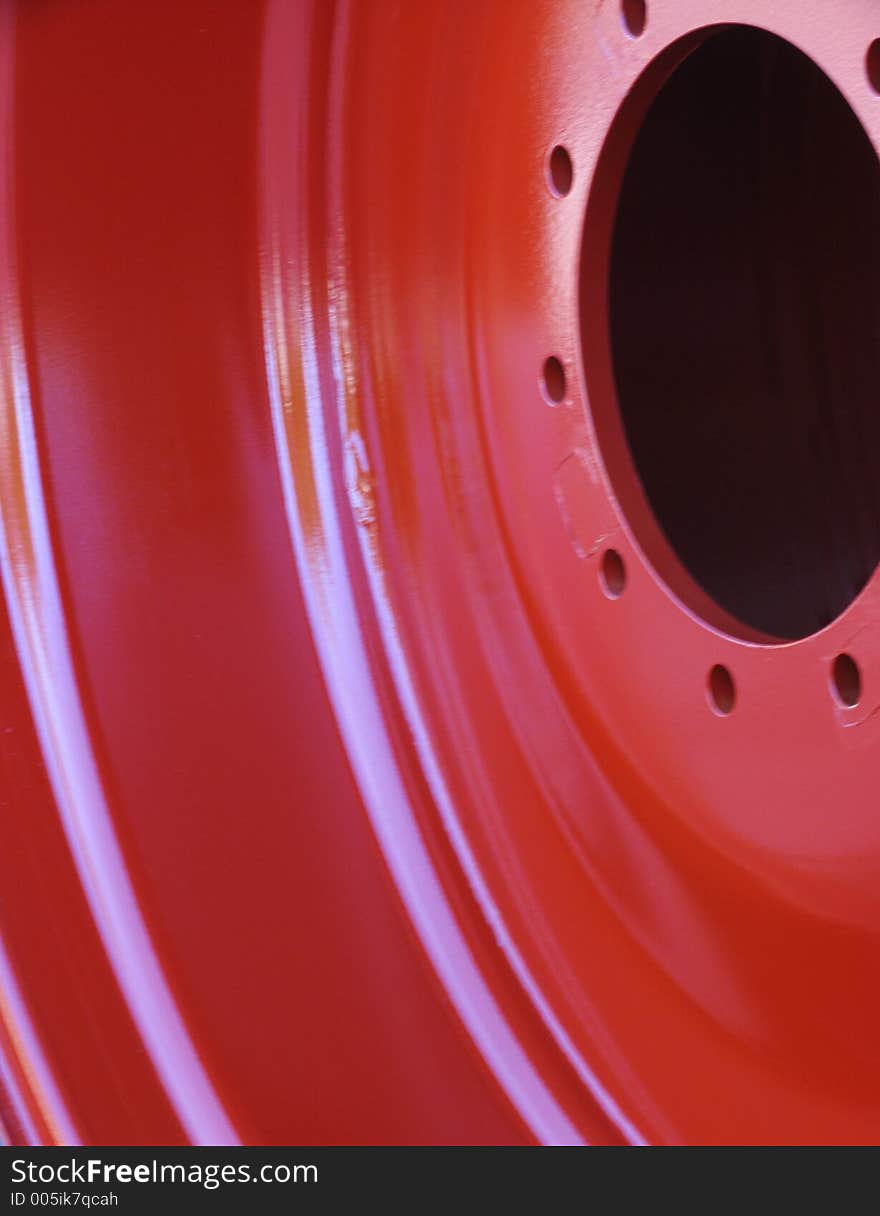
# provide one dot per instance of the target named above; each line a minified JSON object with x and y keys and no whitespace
{"x":340,"y":801}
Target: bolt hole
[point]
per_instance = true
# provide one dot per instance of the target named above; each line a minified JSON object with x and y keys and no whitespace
{"x":613,"y":574}
{"x":872,"y":65}
{"x":722,"y":690}
{"x":635,"y":16}
{"x":561,"y":171}
{"x":847,"y":680}
{"x":554,"y":380}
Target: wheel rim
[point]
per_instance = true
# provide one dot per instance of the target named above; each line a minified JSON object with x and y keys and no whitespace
{"x":660,"y":890}
{"x":636,"y":840}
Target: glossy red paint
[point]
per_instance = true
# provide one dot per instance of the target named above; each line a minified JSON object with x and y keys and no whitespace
{"x":350,"y":792}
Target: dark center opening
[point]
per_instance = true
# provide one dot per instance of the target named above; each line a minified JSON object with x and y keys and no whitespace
{"x":745,"y":330}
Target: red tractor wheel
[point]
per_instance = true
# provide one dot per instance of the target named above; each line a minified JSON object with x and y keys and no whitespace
{"x":439,"y":528}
